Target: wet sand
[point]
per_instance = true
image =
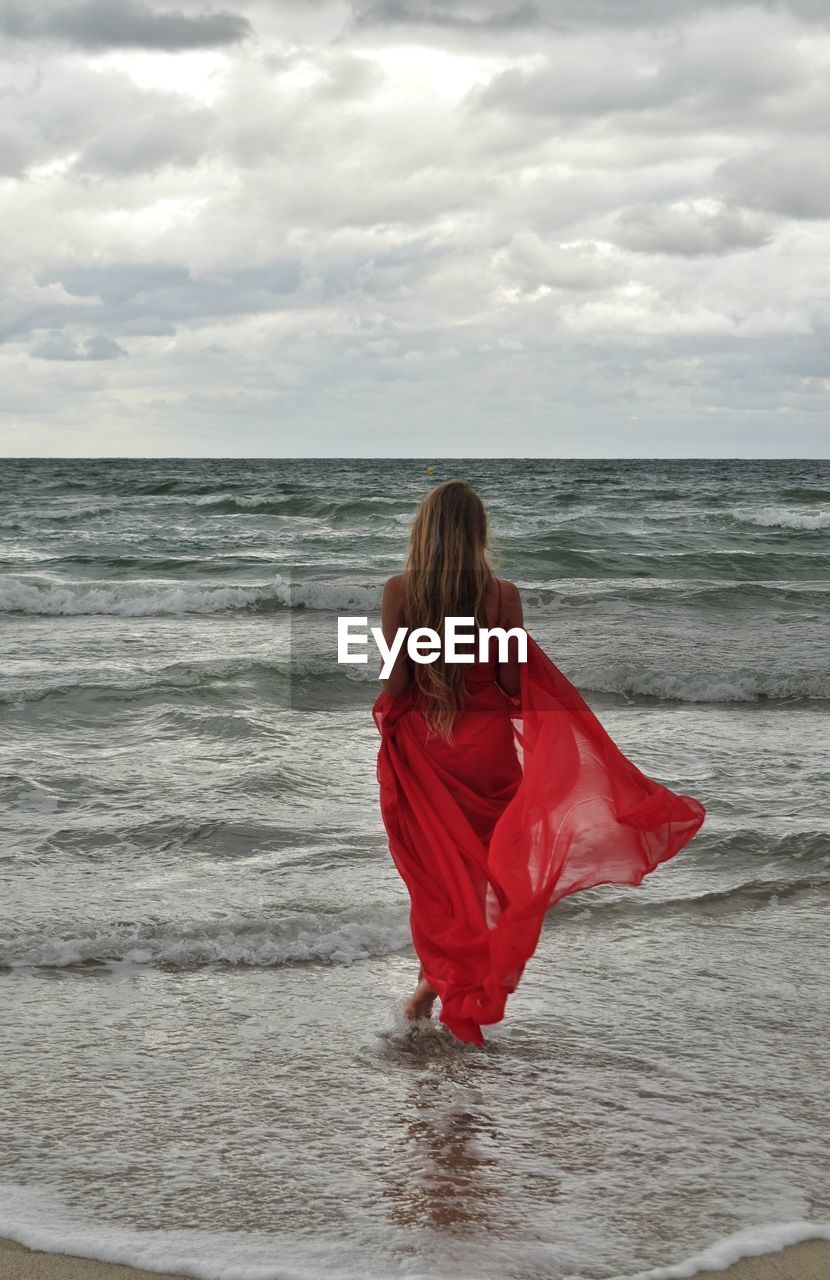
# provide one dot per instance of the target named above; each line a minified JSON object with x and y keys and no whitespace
{"x":808,"y":1261}
{"x":19,"y":1263}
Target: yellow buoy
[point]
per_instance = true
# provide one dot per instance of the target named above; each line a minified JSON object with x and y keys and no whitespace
{"x":430,"y":471}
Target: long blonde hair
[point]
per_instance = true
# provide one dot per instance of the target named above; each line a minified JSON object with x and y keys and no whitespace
{"x":447,"y":575}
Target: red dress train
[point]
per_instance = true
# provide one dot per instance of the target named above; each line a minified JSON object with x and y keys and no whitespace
{"x":531,"y":801}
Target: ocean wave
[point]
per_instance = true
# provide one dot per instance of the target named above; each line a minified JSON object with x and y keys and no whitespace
{"x":803,"y":845}
{"x":133,"y":571}
{"x":149,"y":597}
{"x":805,"y":493}
{"x":747,"y":564}
{"x":128,"y":599}
{"x":581,"y":591}
{"x":704,"y":686}
{"x":330,"y":597}
{"x":750,"y":895}
{"x":765,"y":517}
{"x":308,"y":506}
{"x":319,"y":676}
{"x":325,"y":684}
{"x":61,"y":516}
{"x":344,"y":937}
{"x":161,"y":488}
{"x":784,"y":518}
{"x":136,"y":599}
{"x":307,"y":938}
{"x":161,"y":682}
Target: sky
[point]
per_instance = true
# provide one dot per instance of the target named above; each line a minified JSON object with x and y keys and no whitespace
{"x":573,"y":228}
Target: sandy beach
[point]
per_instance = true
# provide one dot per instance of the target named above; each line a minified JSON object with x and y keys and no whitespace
{"x":19,"y":1263}
{"x":808,"y":1261}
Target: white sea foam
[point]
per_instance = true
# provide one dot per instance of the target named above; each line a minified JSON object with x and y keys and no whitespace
{"x":784,"y":518}
{"x":335,"y":597}
{"x":80,"y":512}
{"x":39,"y":1219}
{"x":230,"y":499}
{"x":151,"y":597}
{"x":128,"y":600}
{"x":301,"y":939}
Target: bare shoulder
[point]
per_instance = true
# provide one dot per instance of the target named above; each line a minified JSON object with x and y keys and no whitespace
{"x":510,"y":593}
{"x":511,"y":601}
{"x":392,"y":600}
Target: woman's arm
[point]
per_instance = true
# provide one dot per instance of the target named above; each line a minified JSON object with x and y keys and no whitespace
{"x":512,"y":615}
{"x":391,"y":618}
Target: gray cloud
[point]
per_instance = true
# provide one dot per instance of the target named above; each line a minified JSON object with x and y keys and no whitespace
{"x":118,"y":283}
{"x":492,"y":15}
{"x":505,"y":15}
{"x":699,"y":75}
{"x":142,"y":299}
{"x":156,"y":298}
{"x":17,"y":146}
{"x":794,"y":181}
{"x":147,"y":142}
{"x":690,"y":229}
{"x":531,"y":262}
{"x":64,"y":346}
{"x":103,"y":124}
{"x":101,"y":24}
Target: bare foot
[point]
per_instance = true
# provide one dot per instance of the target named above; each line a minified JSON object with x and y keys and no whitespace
{"x":419,"y":1005}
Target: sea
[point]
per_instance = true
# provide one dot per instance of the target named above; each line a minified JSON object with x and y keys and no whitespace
{"x":204,"y":943}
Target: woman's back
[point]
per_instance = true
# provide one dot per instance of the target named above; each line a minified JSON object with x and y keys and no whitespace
{"x":502,"y":608}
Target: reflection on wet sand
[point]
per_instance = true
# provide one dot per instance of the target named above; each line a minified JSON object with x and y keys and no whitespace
{"x":448,"y":1170}
{"x":443,"y":1177}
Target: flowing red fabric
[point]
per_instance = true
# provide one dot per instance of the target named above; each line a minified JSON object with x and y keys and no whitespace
{"x":531,"y":801}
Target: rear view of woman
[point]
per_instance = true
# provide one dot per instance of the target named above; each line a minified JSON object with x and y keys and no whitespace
{"x":500,"y":790}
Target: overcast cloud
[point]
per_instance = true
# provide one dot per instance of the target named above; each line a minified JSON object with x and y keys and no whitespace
{"x":573,"y":227}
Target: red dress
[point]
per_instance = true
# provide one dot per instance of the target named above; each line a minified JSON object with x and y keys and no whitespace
{"x":531,"y":801}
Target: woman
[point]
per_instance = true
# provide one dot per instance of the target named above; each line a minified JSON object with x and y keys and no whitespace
{"x":500,"y":790}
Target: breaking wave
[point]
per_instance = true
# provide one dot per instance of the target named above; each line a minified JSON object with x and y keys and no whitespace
{"x":303,"y":939}
{"x":137,"y":599}
{"x":343,"y":938}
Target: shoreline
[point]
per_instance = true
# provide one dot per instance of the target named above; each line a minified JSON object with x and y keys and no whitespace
{"x":808,"y":1260}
